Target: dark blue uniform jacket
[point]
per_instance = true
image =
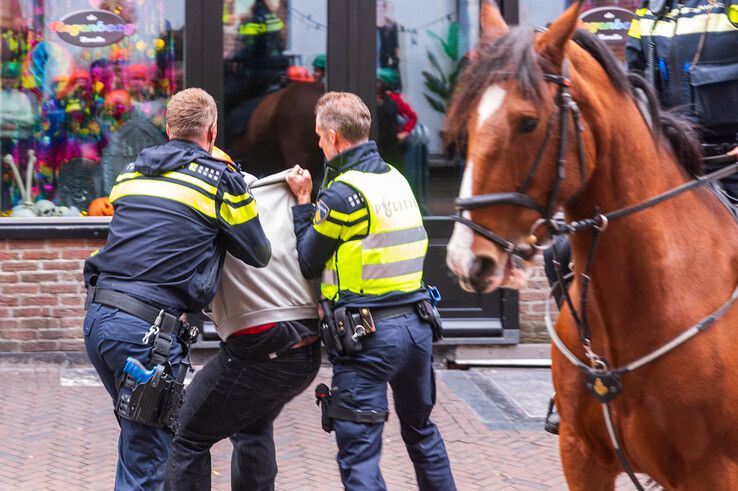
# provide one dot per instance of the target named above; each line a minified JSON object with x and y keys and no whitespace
{"x":177,"y":211}
{"x":693,"y":57}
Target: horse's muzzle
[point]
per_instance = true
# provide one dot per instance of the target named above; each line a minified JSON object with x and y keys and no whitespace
{"x":482,"y":273}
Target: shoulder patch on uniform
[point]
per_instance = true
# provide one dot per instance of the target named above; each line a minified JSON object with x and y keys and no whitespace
{"x":204,"y":171}
{"x":356,"y":200}
{"x":321,"y":211}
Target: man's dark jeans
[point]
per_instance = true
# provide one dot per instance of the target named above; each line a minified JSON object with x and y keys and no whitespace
{"x":238,"y":396}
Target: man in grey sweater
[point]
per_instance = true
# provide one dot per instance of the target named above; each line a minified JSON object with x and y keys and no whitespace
{"x":267,"y":319}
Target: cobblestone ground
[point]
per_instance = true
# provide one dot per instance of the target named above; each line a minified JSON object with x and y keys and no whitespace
{"x":56,"y":436}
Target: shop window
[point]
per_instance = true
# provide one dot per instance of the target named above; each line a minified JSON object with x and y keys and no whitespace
{"x":274,"y":62}
{"x":420,"y":52}
{"x":84,"y":88}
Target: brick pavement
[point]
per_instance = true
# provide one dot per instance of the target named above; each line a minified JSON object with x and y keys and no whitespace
{"x":66,"y":437}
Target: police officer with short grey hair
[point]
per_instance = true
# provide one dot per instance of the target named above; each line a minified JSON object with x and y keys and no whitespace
{"x":365,"y":239}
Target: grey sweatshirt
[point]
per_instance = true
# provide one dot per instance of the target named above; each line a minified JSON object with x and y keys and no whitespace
{"x":250,"y":296}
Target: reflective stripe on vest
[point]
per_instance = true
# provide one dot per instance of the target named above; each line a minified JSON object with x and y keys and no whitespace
{"x":390,"y":257}
{"x":683,"y":21}
{"x":272,"y":23}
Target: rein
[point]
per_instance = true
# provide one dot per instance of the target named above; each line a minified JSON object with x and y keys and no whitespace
{"x":603,"y":383}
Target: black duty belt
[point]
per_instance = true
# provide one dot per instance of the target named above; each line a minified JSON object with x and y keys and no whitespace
{"x":383,"y":313}
{"x":137,"y":308}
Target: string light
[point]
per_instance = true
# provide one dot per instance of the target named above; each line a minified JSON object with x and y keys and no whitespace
{"x":413,"y":31}
{"x":308,"y":19}
{"x":450,"y":17}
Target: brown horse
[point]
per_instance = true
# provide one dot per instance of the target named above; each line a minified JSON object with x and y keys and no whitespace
{"x":655,"y":273}
{"x":281,"y":133}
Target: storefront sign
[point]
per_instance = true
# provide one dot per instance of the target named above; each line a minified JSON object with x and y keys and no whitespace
{"x":92,"y":28}
{"x":610,"y":25}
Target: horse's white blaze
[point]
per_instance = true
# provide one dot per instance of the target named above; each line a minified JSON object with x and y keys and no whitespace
{"x":490,"y":103}
{"x":459,"y":255}
{"x":458,"y":252}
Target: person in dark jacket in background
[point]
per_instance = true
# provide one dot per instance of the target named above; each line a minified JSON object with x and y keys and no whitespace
{"x":178,"y":211}
{"x":687,"y":51}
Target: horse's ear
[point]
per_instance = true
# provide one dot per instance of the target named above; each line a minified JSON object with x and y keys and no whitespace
{"x":493,"y":25}
{"x":551,"y":43}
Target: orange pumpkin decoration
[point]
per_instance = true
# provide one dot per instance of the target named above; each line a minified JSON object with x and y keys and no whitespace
{"x":100,"y":207}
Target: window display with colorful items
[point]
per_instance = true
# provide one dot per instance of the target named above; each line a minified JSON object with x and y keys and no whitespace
{"x":84,"y":88}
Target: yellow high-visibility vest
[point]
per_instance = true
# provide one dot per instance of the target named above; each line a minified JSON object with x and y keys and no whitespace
{"x":390,"y":256}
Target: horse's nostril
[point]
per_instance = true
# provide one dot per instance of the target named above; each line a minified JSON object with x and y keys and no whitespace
{"x":481,"y":269}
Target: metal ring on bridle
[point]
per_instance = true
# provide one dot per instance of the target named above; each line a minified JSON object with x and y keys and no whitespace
{"x":532,"y":234}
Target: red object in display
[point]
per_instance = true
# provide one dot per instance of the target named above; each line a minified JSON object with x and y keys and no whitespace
{"x":117,"y":102}
{"x":138,"y":71}
{"x":299,"y":74}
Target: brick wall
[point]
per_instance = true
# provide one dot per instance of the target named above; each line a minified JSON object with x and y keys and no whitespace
{"x":42,"y":297}
{"x":41,"y":294}
{"x":533,"y":306}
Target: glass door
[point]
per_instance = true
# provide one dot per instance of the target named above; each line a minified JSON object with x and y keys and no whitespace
{"x":274,"y":67}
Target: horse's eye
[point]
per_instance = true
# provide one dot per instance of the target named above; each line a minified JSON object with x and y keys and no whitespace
{"x":527,"y":125}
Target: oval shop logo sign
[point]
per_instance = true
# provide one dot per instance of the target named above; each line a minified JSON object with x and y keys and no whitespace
{"x":92,"y":28}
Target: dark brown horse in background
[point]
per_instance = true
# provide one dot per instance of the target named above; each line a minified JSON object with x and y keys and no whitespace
{"x":655,"y":273}
{"x":281,"y":133}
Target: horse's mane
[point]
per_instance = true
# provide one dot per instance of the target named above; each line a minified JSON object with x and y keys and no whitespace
{"x":512,"y":56}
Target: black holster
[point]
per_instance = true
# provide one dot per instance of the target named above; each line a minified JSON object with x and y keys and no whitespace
{"x":330,"y":411}
{"x":149,"y":395}
{"x":430,"y":314}
{"x":329,"y":332}
{"x":322,"y":396}
{"x":152,"y":403}
{"x":341,"y":329}
{"x":350,"y":330}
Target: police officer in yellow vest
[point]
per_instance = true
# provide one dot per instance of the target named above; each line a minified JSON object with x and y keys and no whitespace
{"x":365,"y":239}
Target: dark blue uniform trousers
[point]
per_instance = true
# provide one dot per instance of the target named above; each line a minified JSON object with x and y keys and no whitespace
{"x":111,"y":336}
{"x":400,"y":352}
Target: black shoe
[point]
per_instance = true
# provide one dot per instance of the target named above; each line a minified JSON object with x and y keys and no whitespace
{"x":552,"y":419}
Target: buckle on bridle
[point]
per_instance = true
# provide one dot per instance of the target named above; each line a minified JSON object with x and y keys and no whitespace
{"x":603,"y":222}
{"x":555,"y":228}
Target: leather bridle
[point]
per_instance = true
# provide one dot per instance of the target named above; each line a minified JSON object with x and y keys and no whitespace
{"x":603,"y":382}
{"x":566,"y":106}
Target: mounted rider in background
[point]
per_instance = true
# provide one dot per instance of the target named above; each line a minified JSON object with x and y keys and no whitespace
{"x":687,"y":51}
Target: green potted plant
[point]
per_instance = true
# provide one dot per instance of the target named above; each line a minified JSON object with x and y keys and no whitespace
{"x":441,"y":82}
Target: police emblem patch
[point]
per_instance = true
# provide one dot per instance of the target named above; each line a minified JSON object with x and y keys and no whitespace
{"x":321,"y":212}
